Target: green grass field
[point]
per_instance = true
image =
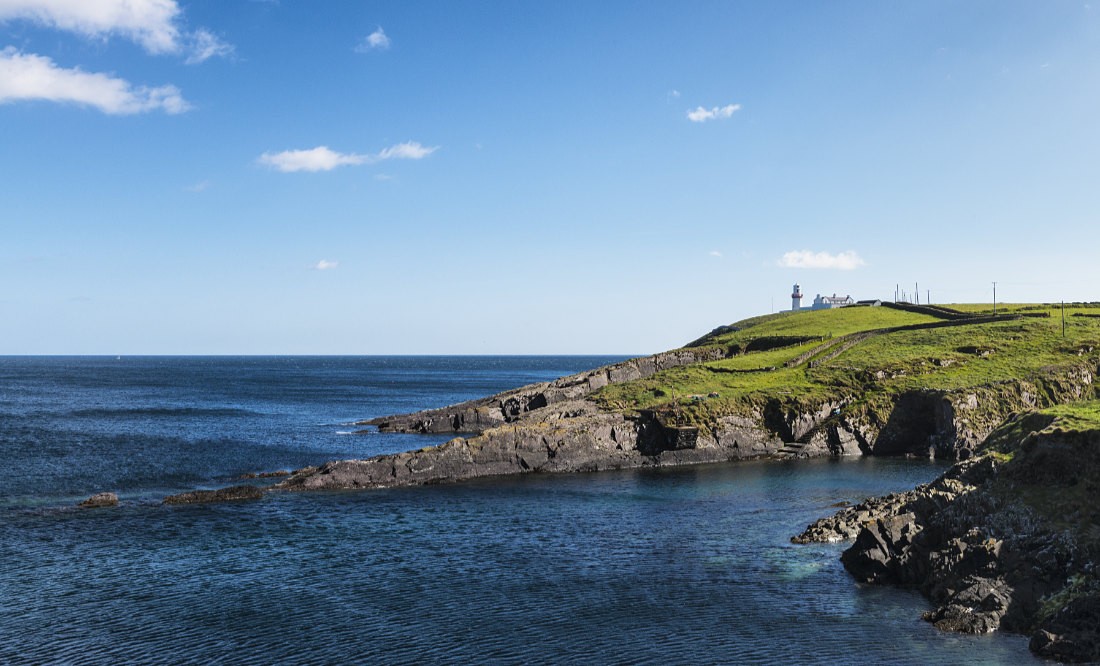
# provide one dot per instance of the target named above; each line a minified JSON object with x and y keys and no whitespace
{"x":820,"y":324}
{"x":948,"y":358}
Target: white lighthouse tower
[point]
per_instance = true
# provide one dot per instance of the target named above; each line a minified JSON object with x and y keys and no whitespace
{"x":796,"y":298}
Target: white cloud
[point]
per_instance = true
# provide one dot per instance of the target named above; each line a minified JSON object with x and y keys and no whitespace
{"x":25,"y":77}
{"x":410,"y":150}
{"x":204,"y":46}
{"x":154,"y":24}
{"x":376,"y":41}
{"x":150,"y":23}
{"x":325,"y":265}
{"x":716,"y":253}
{"x":322,"y":158}
{"x":701,"y":115}
{"x":844,"y":261}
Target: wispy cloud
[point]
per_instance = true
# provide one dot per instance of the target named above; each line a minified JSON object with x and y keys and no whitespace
{"x":843,"y":261}
{"x":376,"y":41}
{"x":27,"y":77}
{"x":410,"y":150}
{"x":154,"y":24}
{"x":322,"y":158}
{"x":325,"y":265}
{"x":716,"y":253}
{"x":204,"y":46}
{"x":701,"y":115}
{"x":200,"y":186}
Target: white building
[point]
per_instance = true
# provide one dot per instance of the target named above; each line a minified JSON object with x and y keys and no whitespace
{"x":820,"y":302}
{"x":834,"y":301}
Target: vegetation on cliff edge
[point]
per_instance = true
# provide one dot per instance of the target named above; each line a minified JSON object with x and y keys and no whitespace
{"x":866,"y":356}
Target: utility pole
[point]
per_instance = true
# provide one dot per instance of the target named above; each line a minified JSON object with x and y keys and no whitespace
{"x":928,"y":297}
{"x":916,"y":292}
{"x":994,"y":298}
{"x":1063,"y":319}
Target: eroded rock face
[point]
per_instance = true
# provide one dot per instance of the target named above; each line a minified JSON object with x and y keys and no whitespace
{"x":1072,"y":634}
{"x":231,"y":494}
{"x":100,"y":500}
{"x":477,"y":416}
{"x":985,"y":560}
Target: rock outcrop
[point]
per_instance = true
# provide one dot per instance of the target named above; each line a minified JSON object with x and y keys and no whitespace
{"x":951,"y":425}
{"x":231,"y":494}
{"x":552,"y":427}
{"x":476,"y":416}
{"x":100,"y":500}
{"x":578,"y":439}
{"x":987,"y":547}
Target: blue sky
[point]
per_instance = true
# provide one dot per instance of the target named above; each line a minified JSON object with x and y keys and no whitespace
{"x":282,"y":177}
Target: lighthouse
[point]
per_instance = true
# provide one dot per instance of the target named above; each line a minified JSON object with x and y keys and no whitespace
{"x":796,"y":298}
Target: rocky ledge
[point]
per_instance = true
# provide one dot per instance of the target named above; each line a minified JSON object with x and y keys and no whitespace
{"x":555,"y":427}
{"x":1006,"y":540}
{"x":233,"y":493}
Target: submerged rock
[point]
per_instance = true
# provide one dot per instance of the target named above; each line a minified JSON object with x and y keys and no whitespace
{"x":231,"y":494}
{"x":100,"y":500}
{"x":263,"y":475}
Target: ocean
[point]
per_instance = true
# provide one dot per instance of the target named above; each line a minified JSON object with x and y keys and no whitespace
{"x":689,"y":565}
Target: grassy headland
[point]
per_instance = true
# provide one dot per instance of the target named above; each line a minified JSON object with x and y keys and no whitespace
{"x":861,"y":353}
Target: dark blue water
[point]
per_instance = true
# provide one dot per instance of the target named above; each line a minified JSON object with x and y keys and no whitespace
{"x":669,"y":566}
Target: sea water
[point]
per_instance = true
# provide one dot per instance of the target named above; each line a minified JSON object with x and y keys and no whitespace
{"x":689,"y":565}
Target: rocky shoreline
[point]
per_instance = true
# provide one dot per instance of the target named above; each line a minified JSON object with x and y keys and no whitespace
{"x":553,"y":428}
{"x":1007,"y":540}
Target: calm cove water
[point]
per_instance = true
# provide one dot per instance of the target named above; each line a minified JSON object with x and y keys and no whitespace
{"x":685,"y":565}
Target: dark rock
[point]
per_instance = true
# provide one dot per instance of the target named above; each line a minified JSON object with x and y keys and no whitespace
{"x":100,"y":500}
{"x":477,"y":416}
{"x":1072,"y":634}
{"x":881,"y":548}
{"x":985,"y":558}
{"x":976,"y":609}
{"x":263,"y":475}
{"x":231,"y":494}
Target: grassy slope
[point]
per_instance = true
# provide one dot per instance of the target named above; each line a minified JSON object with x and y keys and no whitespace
{"x":1053,"y":465}
{"x":941,"y":358}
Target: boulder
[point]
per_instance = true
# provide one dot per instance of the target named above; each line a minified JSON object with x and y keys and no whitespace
{"x":100,"y":500}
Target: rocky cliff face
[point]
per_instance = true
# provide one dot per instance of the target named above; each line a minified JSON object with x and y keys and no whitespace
{"x":951,"y":425}
{"x":551,"y":427}
{"x":987,"y":553}
{"x":570,"y":436}
{"x":476,"y":416}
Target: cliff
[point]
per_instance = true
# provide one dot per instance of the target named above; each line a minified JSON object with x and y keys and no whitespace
{"x":872,"y":381}
{"x":1008,"y":539}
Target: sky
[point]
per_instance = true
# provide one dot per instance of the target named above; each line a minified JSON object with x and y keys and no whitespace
{"x":568,"y":177}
